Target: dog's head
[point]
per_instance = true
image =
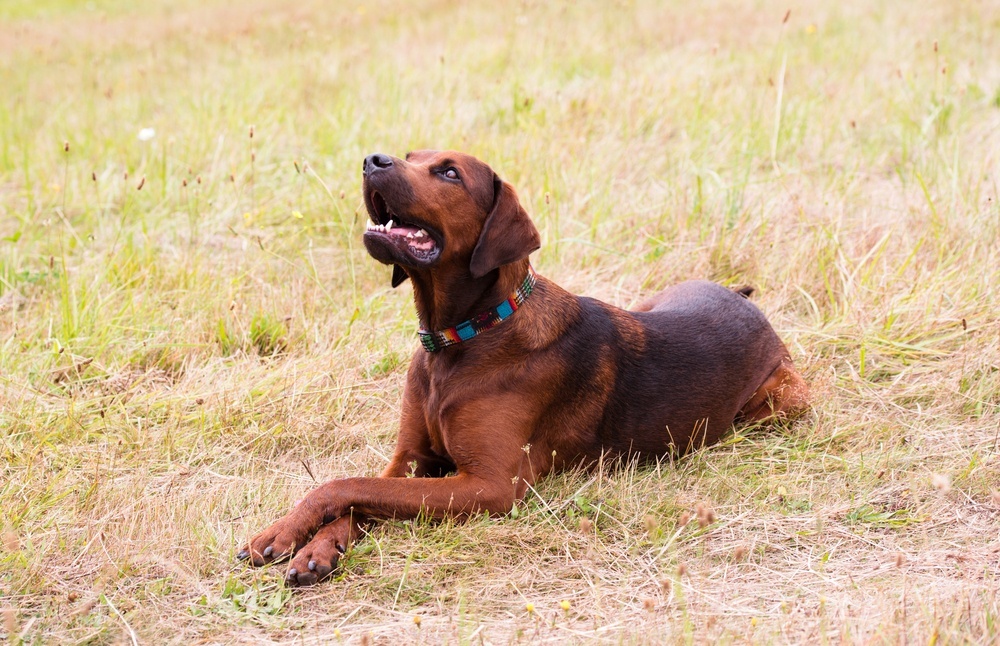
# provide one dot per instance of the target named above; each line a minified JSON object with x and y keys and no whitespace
{"x":442,"y":210}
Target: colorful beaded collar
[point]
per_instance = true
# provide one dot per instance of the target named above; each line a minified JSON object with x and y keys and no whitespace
{"x":435,"y":341}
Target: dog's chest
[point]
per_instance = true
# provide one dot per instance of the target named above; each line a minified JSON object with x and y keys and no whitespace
{"x":433,"y":406}
{"x":446,"y":392}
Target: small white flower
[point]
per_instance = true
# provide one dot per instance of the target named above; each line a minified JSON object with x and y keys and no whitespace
{"x":146,"y":134}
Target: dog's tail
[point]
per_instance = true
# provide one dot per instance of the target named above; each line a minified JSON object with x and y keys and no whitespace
{"x":745,"y":291}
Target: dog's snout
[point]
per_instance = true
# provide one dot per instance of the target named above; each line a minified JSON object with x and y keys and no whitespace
{"x":375,"y":162}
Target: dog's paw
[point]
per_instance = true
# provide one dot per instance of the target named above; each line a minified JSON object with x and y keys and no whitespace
{"x":319,"y":557}
{"x":277,"y":542}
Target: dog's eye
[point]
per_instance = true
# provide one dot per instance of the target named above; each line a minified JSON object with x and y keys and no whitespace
{"x":451,"y":173}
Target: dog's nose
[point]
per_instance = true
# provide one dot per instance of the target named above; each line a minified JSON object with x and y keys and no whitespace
{"x":375,"y":162}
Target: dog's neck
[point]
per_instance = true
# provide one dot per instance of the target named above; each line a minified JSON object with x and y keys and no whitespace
{"x":445,"y":300}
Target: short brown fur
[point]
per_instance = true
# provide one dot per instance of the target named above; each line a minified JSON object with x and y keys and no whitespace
{"x":564,"y":381}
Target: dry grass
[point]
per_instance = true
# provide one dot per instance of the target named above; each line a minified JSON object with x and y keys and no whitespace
{"x":178,"y":362}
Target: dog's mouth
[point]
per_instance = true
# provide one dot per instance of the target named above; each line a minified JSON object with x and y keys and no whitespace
{"x":415,"y":241}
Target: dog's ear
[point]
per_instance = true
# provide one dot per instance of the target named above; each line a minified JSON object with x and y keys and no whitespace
{"x":398,"y":276}
{"x":508,"y":234}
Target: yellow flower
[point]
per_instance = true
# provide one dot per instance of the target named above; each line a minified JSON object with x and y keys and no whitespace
{"x":297,"y":215}
{"x":416,"y":620}
{"x":564,"y":605}
{"x":530,"y":607}
{"x":810,"y":28}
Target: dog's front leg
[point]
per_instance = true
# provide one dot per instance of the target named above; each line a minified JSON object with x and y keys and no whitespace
{"x":313,"y":513}
{"x":399,"y":498}
{"x":319,"y":557}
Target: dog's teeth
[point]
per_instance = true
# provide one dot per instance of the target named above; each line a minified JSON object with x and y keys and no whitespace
{"x":388,"y":226}
{"x":420,"y":234}
{"x":409,"y":236}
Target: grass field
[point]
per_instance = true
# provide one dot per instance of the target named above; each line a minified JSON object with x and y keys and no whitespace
{"x":192,"y":336}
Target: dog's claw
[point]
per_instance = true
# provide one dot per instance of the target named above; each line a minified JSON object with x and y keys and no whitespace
{"x":268,"y":550}
{"x":242,"y":555}
{"x":312,"y":565}
{"x":296,"y":579}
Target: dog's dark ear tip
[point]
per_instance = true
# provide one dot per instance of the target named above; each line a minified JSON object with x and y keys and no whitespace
{"x":399,"y":276}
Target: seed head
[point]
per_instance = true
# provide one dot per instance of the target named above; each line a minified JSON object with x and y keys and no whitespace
{"x":10,"y":542}
{"x":739,"y":553}
{"x":184,"y":183}
{"x":85,"y":608}
{"x":684,"y":519}
{"x":586,"y":526}
{"x":900,"y":559}
{"x":665,"y":585}
{"x":65,"y":146}
{"x":342,"y":194}
{"x":10,"y":623}
{"x":93,"y":176}
{"x":706,"y":515}
{"x":251,"y":132}
{"x":941,"y":482}
{"x":650,"y":524}
{"x":648,"y":604}
{"x":682,"y":569}
{"x":142,"y":182}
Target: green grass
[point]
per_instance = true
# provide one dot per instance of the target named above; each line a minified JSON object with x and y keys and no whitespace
{"x":180,"y":362}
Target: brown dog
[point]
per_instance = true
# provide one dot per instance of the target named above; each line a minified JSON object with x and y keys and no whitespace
{"x":544,"y":381}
